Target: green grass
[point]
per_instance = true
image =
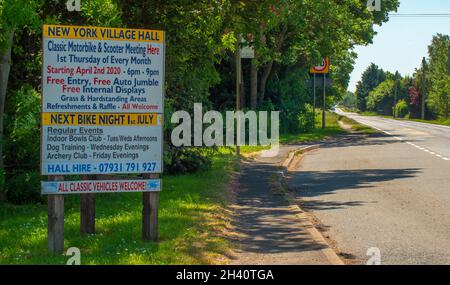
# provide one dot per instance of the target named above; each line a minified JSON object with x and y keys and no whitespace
{"x":248,"y":149}
{"x":348,"y":110}
{"x":192,"y":219}
{"x":332,"y":129}
{"x":367,"y":113}
{"x":357,"y":127}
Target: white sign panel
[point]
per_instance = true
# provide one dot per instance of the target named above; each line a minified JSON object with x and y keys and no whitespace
{"x":102,"y":100}
{"x":247,"y":52}
{"x":100,"y":186}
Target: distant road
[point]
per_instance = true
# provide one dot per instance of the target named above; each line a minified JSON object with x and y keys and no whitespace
{"x":389,"y":190}
{"x":426,"y":137}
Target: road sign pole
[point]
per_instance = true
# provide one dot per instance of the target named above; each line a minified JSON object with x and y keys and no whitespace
{"x":238,"y":100}
{"x":321,"y":69}
{"x":324,"y":101}
{"x":314,"y":98}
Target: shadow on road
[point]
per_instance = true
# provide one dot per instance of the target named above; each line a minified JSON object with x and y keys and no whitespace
{"x":309,"y":184}
{"x":351,"y":140}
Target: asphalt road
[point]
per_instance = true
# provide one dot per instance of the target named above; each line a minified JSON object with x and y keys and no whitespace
{"x":388,"y":190}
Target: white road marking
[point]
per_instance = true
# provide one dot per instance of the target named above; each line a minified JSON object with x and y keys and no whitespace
{"x":428,"y":151}
{"x":412,"y":144}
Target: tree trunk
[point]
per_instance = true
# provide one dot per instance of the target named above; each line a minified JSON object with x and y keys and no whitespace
{"x":268,"y":67}
{"x":5,"y":67}
{"x":263,"y":81}
{"x":242,"y":87}
{"x":254,"y":86}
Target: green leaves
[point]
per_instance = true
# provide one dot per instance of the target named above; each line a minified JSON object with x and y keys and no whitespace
{"x":439,"y":93}
{"x":102,"y":13}
{"x":16,"y":15}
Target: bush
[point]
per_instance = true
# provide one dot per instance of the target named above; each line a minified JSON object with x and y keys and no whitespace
{"x":306,"y":119}
{"x":290,"y":95}
{"x":24,"y":188}
{"x":2,"y":186}
{"x":22,"y":147}
{"x":401,"y":109}
{"x":186,"y":159}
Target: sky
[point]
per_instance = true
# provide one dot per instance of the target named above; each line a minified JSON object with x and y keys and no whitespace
{"x":402,"y":42}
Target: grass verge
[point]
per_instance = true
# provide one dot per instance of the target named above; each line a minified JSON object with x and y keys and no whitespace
{"x":192,"y":219}
{"x":357,"y":127}
{"x":332,"y":128}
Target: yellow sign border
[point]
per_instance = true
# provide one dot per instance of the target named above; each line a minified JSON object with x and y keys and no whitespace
{"x":97,"y":30}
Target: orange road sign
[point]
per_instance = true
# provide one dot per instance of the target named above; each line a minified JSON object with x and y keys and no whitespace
{"x":324,"y":68}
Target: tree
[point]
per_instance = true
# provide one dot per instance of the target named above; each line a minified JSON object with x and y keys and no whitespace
{"x":380,"y":99}
{"x":349,"y":100}
{"x":298,"y":33}
{"x":414,"y":96}
{"x":21,"y":106}
{"x":438,"y":99}
{"x":14,"y":15}
{"x":371,"y":78}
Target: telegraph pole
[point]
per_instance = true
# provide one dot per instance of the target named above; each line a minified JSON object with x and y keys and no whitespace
{"x":423,"y":88}
{"x":395,"y":92}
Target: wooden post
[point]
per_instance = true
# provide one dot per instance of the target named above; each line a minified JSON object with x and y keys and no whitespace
{"x":146,"y":216}
{"x":154,"y":201}
{"x":87,"y":210}
{"x":87,"y":219}
{"x":56,"y":221}
{"x":238,"y":100}
{"x":150,"y":212}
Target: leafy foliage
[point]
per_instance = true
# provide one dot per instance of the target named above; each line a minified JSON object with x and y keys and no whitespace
{"x":380,"y":99}
{"x":371,"y":78}
{"x":401,"y":109}
{"x":202,"y":36}
{"x":439,"y":93}
{"x":349,"y":100}
{"x":22,"y":168}
{"x":431,"y":82}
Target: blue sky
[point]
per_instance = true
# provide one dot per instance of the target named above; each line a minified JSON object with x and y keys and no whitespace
{"x":402,"y":42}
